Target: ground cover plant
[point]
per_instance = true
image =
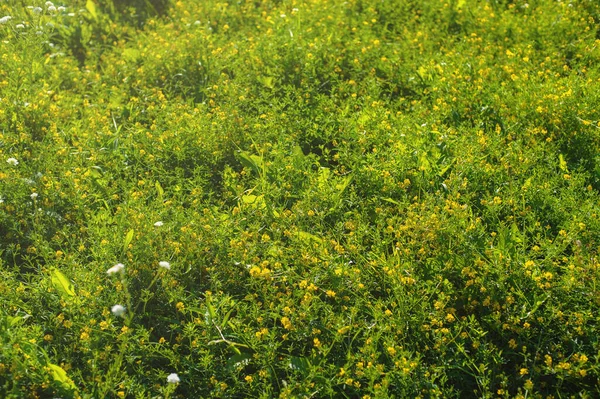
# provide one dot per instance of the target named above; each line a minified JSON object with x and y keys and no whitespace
{"x":299,"y":198}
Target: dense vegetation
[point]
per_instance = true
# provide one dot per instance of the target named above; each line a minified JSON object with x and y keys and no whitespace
{"x":309,"y":198}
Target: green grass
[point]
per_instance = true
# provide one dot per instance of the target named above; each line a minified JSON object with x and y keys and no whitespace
{"x":359,"y":199}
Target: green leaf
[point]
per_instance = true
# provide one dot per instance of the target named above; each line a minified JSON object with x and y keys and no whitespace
{"x":323,"y":178}
{"x":391,"y":201}
{"x":562,"y":164}
{"x":210,"y":314}
{"x":91,"y":7}
{"x":307,"y":237}
{"x":62,"y":283}
{"x":239,"y":361}
{"x":446,"y":168}
{"x":59,"y":375}
{"x":253,"y":162}
{"x":128,"y":239}
{"x":341,"y":187}
{"x":160,"y":190}
{"x":300,"y":364}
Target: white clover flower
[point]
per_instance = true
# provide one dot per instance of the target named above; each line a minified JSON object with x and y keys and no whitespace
{"x":165,"y":265}
{"x":118,"y":310}
{"x":34,"y":196}
{"x":158,"y":224}
{"x":12,"y":161}
{"x":173,"y":378}
{"x":118,"y":268}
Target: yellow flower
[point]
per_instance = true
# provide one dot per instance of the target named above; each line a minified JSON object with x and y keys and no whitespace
{"x":287,"y":324}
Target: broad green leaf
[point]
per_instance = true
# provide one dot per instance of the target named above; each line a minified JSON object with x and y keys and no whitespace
{"x":307,"y":237}
{"x":159,"y":189}
{"x":341,"y":187}
{"x":515,"y":234}
{"x":446,"y":168}
{"x":62,"y":283}
{"x":300,"y":364}
{"x":210,"y":314}
{"x":250,"y":198}
{"x":131,"y":54}
{"x":91,"y":7}
{"x":391,"y":201}
{"x":423,"y":162}
{"x":13,"y":320}
{"x":253,"y":162}
{"x":562,"y":164}
{"x":268,"y":81}
{"x":60,"y":375}
{"x":239,"y":361}
{"x":255,"y":201}
{"x":128,"y":239}
{"x":323,"y":178}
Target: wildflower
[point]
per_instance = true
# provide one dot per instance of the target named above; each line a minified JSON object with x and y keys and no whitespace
{"x":158,"y":224}
{"x":49,"y":4}
{"x":34,"y":196}
{"x":165,"y":265}
{"x":118,"y":310}
{"x":51,"y":9}
{"x":37,"y":10}
{"x":20,"y":26}
{"x":287,"y":324}
{"x":10,"y":161}
{"x":173,"y":378}
{"x":119,"y":267}
{"x":62,"y":8}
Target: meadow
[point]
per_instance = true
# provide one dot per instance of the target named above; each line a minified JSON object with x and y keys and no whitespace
{"x":300,"y":199}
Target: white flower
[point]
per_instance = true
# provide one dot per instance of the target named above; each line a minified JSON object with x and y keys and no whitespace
{"x":158,"y":224}
{"x":49,"y":4}
{"x":62,"y":8}
{"x":51,"y":9}
{"x":37,"y":10}
{"x":119,"y":267}
{"x":118,"y":310}
{"x":34,"y":196}
{"x":12,"y":161}
{"x":173,"y":378}
{"x":5,"y":19}
{"x":165,"y":265}
{"x":20,"y":26}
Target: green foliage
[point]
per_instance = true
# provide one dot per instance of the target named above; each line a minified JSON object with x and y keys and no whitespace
{"x":310,"y":199}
